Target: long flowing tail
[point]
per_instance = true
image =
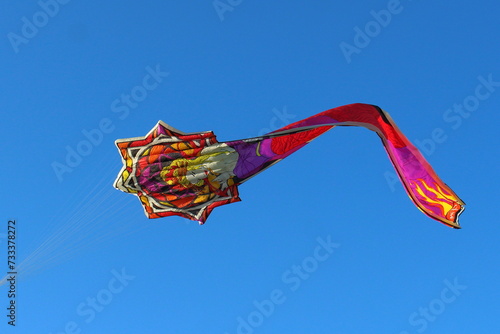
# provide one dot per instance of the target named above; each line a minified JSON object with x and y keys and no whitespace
{"x":429,"y":193}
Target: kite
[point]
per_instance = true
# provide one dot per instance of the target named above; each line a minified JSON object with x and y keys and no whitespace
{"x":190,"y":174}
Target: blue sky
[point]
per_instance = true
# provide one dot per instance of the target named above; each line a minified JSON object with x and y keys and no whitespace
{"x":323,"y":242}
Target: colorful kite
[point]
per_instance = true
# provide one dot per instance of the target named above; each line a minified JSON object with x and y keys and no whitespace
{"x":175,"y":173}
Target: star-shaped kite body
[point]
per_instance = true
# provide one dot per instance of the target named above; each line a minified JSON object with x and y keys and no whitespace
{"x":174,"y":173}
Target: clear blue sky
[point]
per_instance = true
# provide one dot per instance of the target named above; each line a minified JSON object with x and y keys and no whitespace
{"x":323,"y":242}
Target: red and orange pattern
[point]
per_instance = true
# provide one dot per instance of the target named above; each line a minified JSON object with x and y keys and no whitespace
{"x":156,"y":169}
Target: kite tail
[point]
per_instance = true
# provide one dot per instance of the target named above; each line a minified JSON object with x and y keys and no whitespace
{"x":429,"y":193}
